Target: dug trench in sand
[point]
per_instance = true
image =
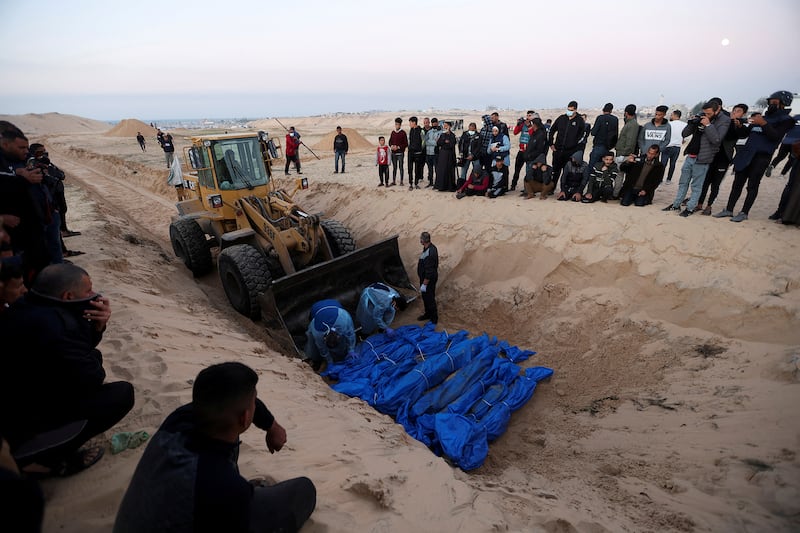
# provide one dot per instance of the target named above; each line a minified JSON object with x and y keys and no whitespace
{"x":670,"y":409}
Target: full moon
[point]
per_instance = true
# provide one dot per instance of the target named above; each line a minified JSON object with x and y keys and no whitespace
{"x":725,"y":42}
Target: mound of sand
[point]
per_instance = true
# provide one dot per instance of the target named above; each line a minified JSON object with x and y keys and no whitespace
{"x":50,"y":123}
{"x":355,"y":140}
{"x":129,"y":127}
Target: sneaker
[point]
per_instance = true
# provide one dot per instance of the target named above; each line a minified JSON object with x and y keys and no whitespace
{"x":460,"y":195}
{"x":707,"y":210}
{"x":391,"y":184}
{"x":775,"y":216}
{"x":410,"y":187}
{"x":671,"y":207}
{"x":698,"y":208}
{"x":381,"y":185}
{"x":686,"y":213}
{"x":416,"y":186}
{"x":429,"y":185}
{"x":768,"y":173}
{"x":722,"y":214}
{"x":741,"y":217}
{"x":335,"y":171}
{"x":299,"y":172}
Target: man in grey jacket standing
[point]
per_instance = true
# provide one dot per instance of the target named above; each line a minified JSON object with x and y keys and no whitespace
{"x":707,"y":131}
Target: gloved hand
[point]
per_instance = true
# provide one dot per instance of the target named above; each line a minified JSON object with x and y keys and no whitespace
{"x":423,"y":288}
{"x":351,"y":355}
{"x":390,"y":333}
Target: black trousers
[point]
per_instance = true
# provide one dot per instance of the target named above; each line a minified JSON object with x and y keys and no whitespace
{"x":289,"y":159}
{"x":751,"y":175}
{"x":416,"y":166}
{"x":519,"y":162}
{"x":283,"y":507}
{"x":101,"y":410}
{"x":560,"y":160}
{"x":429,"y":301}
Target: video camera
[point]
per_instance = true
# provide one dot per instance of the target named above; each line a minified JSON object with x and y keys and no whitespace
{"x":695,"y":119}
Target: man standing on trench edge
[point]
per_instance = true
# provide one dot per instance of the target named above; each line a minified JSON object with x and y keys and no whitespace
{"x":428,"y":272}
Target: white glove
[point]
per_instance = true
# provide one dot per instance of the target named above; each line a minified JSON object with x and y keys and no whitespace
{"x":423,"y":288}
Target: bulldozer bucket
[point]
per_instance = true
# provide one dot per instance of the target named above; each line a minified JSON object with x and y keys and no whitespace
{"x":285,"y":306}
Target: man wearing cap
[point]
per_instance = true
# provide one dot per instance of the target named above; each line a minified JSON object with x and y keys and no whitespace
{"x":565,"y":135}
{"x":752,"y":159}
{"x":331,"y":335}
{"x":524,"y":130}
{"x":605,"y":132}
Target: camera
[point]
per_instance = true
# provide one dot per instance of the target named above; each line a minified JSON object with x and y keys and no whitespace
{"x":520,"y":121}
{"x":695,"y":120}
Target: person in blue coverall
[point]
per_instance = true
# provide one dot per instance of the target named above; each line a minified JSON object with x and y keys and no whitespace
{"x":331,"y":335}
{"x":377,"y":307}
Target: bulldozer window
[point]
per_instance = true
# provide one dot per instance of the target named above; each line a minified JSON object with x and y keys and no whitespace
{"x":239,"y":164}
{"x":198,"y":158}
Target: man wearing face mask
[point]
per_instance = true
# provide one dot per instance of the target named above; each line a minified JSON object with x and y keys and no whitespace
{"x":469,"y":146}
{"x":565,"y":135}
{"x":752,"y":159}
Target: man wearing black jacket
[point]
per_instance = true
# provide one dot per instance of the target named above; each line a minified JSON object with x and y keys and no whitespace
{"x":605,"y":132}
{"x":565,"y":136}
{"x":428,"y":272}
{"x":51,"y":372}
{"x":187,"y":479}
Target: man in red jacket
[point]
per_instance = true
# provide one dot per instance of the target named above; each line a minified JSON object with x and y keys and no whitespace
{"x":292,"y":150}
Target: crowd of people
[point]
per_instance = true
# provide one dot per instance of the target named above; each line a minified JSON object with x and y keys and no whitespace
{"x":55,"y":398}
{"x":626,"y":163}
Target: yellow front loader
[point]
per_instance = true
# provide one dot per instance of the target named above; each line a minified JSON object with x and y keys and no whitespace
{"x":274,"y":258}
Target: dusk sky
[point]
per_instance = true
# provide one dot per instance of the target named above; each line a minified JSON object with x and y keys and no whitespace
{"x":180,"y":59}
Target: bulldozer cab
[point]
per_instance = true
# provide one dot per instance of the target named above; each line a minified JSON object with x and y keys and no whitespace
{"x":229,"y":166}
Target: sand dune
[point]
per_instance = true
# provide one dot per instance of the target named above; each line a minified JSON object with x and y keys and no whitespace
{"x":674,"y":343}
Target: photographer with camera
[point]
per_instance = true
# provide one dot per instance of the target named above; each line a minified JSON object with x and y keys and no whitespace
{"x":752,"y":160}
{"x":22,"y":201}
{"x":524,"y":129}
{"x":707,"y":130}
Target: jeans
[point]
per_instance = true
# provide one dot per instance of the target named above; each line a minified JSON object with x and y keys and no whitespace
{"x":339,"y":155}
{"x":469,"y":165}
{"x":692,"y":174}
{"x":397,"y":160}
{"x":430,"y":162}
{"x":670,"y":154}
{"x":597,"y":153}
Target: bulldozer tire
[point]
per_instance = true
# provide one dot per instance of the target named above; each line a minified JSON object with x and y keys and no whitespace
{"x":339,"y":237}
{"x":190,"y":246}
{"x":245,"y":276}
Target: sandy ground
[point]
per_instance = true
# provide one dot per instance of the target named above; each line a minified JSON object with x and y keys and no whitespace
{"x":674,"y":343}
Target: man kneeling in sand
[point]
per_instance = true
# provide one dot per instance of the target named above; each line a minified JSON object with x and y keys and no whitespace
{"x":188,"y":479}
{"x":53,"y":398}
